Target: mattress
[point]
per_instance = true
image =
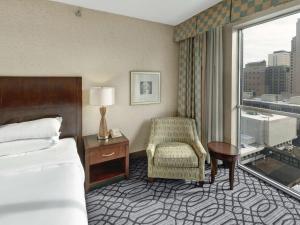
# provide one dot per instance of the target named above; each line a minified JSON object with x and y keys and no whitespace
{"x":43,"y":187}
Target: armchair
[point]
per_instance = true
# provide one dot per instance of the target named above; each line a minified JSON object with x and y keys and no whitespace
{"x":174,"y":150}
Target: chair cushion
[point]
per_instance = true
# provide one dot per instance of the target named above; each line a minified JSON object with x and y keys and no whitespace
{"x":175,"y":154}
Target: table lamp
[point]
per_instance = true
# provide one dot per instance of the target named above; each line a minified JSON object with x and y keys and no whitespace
{"x":102,"y":97}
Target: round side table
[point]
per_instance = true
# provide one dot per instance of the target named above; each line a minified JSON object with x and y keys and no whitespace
{"x":227,"y":153}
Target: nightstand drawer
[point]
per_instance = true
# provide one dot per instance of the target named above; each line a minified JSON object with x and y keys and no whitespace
{"x":106,"y":154}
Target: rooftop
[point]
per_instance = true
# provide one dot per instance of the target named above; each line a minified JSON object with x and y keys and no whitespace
{"x":281,"y":51}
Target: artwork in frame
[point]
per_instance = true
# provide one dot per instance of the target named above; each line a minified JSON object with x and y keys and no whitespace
{"x":145,"y":88}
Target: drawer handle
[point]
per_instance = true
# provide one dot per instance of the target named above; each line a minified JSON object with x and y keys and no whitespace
{"x":107,"y":155}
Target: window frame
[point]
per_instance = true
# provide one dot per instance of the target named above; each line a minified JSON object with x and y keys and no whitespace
{"x":238,"y":28}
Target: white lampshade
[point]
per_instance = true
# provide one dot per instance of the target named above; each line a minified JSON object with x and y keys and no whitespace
{"x":102,"y":96}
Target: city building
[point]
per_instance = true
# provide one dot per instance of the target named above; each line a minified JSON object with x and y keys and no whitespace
{"x":248,"y":94}
{"x":296,"y":66}
{"x":279,"y":58}
{"x":254,"y":78}
{"x":277,"y":79}
{"x":292,"y":105}
{"x":293,"y":65}
{"x":295,"y":100}
{"x":271,"y":97}
{"x":263,"y":128}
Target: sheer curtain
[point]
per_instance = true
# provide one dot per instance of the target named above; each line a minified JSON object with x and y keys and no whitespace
{"x":214,"y":86}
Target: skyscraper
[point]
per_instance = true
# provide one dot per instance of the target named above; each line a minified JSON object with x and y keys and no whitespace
{"x":279,"y":58}
{"x":277,"y":79}
{"x":254,"y":77}
{"x":296,"y":66}
{"x":293,"y":65}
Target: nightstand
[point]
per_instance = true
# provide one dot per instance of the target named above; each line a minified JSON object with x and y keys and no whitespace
{"x":105,"y":159}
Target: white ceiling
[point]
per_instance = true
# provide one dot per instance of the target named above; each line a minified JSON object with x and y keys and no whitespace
{"x":170,"y":12}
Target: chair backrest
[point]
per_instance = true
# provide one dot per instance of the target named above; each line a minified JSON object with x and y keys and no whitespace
{"x":172,"y":129}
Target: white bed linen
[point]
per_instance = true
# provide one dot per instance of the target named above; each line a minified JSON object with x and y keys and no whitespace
{"x":43,"y":187}
{"x":22,"y":146}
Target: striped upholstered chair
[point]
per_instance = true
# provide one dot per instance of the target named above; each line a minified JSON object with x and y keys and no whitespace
{"x":174,"y":150}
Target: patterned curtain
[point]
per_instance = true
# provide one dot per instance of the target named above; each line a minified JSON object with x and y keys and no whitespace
{"x":185,"y":30}
{"x":224,"y":12}
{"x":212,"y":17}
{"x":200,"y":90}
{"x":242,"y":8}
{"x":190,"y":74}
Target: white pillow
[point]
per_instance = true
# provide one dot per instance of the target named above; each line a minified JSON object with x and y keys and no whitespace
{"x":23,"y":146}
{"x":36,"y":129}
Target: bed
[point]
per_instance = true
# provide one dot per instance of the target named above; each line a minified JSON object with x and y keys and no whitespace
{"x":45,"y":186}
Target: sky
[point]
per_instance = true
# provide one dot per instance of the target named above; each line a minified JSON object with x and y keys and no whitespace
{"x":263,"y":39}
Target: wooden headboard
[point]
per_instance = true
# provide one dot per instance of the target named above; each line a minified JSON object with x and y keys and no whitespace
{"x":29,"y":98}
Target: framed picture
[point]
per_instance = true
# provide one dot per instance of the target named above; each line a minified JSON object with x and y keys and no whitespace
{"x":145,"y":88}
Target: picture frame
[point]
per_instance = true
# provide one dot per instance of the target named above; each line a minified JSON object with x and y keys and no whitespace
{"x":145,"y":87}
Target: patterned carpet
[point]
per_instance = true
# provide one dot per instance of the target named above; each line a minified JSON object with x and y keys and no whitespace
{"x":168,"y":202}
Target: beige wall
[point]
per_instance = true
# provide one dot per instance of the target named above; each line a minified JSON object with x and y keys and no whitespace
{"x":46,"y":38}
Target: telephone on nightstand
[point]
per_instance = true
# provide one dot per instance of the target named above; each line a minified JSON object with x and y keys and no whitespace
{"x":114,"y":133}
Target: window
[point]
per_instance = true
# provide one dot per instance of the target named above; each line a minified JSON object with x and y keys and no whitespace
{"x":269,"y":131}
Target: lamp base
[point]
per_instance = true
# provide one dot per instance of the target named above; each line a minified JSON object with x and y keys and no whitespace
{"x":103,"y":131}
{"x":102,"y":137}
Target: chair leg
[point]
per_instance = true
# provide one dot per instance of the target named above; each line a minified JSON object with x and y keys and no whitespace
{"x":214,"y":169}
{"x":200,"y":183}
{"x":151,"y":179}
